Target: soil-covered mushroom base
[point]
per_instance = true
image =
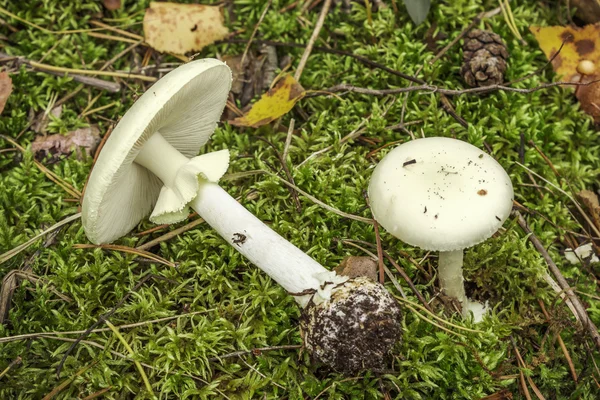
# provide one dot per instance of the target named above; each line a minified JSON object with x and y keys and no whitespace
{"x":355,"y":330}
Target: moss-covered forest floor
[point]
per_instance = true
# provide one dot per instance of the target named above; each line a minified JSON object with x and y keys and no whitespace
{"x":180,"y":321}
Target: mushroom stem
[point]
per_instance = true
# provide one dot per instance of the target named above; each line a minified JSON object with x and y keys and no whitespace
{"x":450,"y":274}
{"x":161,"y":158}
{"x":281,"y":260}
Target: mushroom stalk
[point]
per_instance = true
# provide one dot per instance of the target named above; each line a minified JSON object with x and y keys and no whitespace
{"x":278,"y":258}
{"x":450,"y":274}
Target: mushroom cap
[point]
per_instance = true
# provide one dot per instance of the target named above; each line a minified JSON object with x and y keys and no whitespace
{"x":440,"y":194}
{"x":184,"y":106}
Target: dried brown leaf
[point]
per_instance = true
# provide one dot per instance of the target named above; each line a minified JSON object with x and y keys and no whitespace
{"x":41,"y":125}
{"x":9,"y":284}
{"x":111,"y":4}
{"x":504,"y":394}
{"x":591,"y":202}
{"x":587,"y":10}
{"x":357,"y":266}
{"x":181,"y":28}
{"x":238,"y":71}
{"x":255,"y":76}
{"x":5,"y":89}
{"x":83,"y":140}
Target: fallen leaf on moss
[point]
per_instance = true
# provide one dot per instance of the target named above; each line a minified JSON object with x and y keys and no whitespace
{"x":579,"y":44}
{"x":357,"y":266}
{"x":84,"y":140}
{"x":5,"y":89}
{"x":41,"y":125}
{"x":277,"y":102}
{"x":589,"y":99}
{"x":591,"y":202}
{"x":181,"y":28}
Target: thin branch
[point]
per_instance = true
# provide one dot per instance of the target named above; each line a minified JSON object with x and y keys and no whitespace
{"x":585,"y":318}
{"x":450,"y":92}
{"x":125,"y":326}
{"x":358,"y":58}
{"x":100,"y":320}
{"x":288,"y":140}
{"x":13,"y":252}
{"x":312,"y":40}
{"x":111,"y":87}
{"x":260,"y":20}
{"x":130,"y":350}
{"x":256,"y":351}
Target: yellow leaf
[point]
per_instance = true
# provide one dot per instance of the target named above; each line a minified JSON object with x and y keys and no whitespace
{"x":181,"y":28}
{"x":579,"y":44}
{"x":276,"y":102}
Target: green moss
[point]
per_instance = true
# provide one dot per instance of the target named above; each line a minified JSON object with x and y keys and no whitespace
{"x":241,"y":307}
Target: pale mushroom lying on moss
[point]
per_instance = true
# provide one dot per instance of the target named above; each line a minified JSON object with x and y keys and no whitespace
{"x":445,"y":195}
{"x":149,"y":164}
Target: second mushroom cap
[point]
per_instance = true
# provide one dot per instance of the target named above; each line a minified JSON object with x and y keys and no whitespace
{"x":440,"y":194}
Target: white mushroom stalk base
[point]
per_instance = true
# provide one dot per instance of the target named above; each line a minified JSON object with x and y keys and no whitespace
{"x":348,"y":324}
{"x":450,"y":274}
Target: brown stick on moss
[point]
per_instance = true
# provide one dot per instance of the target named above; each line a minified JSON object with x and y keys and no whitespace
{"x":581,"y":311}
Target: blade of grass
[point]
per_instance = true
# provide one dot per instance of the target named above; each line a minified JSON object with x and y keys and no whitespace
{"x":130,"y":350}
{"x":129,"y":250}
{"x":51,"y":175}
{"x":67,"y":382}
{"x":13,"y":252}
{"x":46,"y":67}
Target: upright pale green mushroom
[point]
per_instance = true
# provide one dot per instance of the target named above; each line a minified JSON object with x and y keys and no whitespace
{"x":443,"y":195}
{"x":149,"y":165}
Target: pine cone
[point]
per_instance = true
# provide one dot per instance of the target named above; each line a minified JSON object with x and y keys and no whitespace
{"x":484,"y":58}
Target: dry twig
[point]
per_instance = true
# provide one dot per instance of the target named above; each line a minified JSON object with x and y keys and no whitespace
{"x":256,"y":351}
{"x":312,"y":40}
{"x":581,"y":311}
{"x":100,"y":320}
{"x":361,"y":59}
{"x":436,"y":89}
{"x":112,"y":87}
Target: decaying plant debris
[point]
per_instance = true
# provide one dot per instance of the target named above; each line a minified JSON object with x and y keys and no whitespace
{"x":175,"y":312}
